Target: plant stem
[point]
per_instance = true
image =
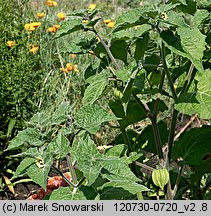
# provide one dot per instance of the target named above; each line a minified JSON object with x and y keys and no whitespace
{"x":171,"y":85}
{"x":63,"y":176}
{"x":177,"y":182}
{"x":107,"y":49}
{"x":126,"y":139}
{"x":172,"y":133}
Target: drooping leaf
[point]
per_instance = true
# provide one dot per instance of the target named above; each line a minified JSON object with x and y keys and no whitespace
{"x":200,"y":101}
{"x":119,"y":50}
{"x":94,"y":90}
{"x":28,"y":135}
{"x":91,"y":117}
{"x":141,"y":46}
{"x":193,"y":145}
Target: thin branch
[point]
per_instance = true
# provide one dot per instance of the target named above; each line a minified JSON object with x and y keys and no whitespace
{"x":184,"y":88}
{"x":177,"y":182}
{"x":63,"y":176}
{"x":143,"y":166}
{"x":185,"y":127}
{"x":107,"y":49}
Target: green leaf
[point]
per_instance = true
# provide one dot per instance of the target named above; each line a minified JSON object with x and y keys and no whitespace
{"x":130,"y":33}
{"x":91,"y":117}
{"x":193,"y":43}
{"x":40,"y":175}
{"x":40,"y":119}
{"x":199,"y":16}
{"x":11,"y":125}
{"x":64,"y":193}
{"x":119,"y":50}
{"x":87,"y":155}
{"x":193,"y":145}
{"x":116,"y":150}
{"x":133,"y":18}
{"x":23,"y":166}
{"x":95,"y":89}
{"x":68,"y":27}
{"x":29,"y":135}
{"x":199,"y":102}
{"x":127,"y":91}
{"x":116,"y":169}
{"x":141,"y":46}
{"x":131,"y":187}
{"x":59,"y":147}
{"x":146,"y":140}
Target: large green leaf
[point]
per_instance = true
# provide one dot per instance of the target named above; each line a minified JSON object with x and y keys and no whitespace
{"x":111,"y":188}
{"x":199,"y":102}
{"x":68,"y":27}
{"x":40,"y":174}
{"x":134,"y":17}
{"x":29,"y":135}
{"x":59,"y":147}
{"x":91,"y":117}
{"x":116,"y":169}
{"x":193,"y":145}
{"x":199,"y":16}
{"x":95,"y":89}
{"x":193,"y":43}
{"x":64,"y":193}
{"x":87,"y":155}
{"x":119,"y":50}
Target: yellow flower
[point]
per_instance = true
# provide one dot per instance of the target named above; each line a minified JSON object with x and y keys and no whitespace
{"x":111,"y":24}
{"x":34,"y":49}
{"x":53,"y":29}
{"x":85,"y":21}
{"x":11,"y":43}
{"x":32,"y":26}
{"x":40,"y":15}
{"x":163,"y":16}
{"x":51,"y":3}
{"x":61,"y":16}
{"x":107,"y":21}
{"x":73,"y":55}
{"x":92,"y":7}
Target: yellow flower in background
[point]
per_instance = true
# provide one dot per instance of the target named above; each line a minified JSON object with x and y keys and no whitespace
{"x":73,"y":55}
{"x":92,"y":7}
{"x":11,"y":43}
{"x":33,"y":49}
{"x":40,"y":15}
{"x":61,"y":16}
{"x":69,"y":67}
{"x":51,"y":3}
{"x":53,"y":29}
{"x":32,"y":26}
{"x":107,"y":21}
{"x":111,"y":24}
